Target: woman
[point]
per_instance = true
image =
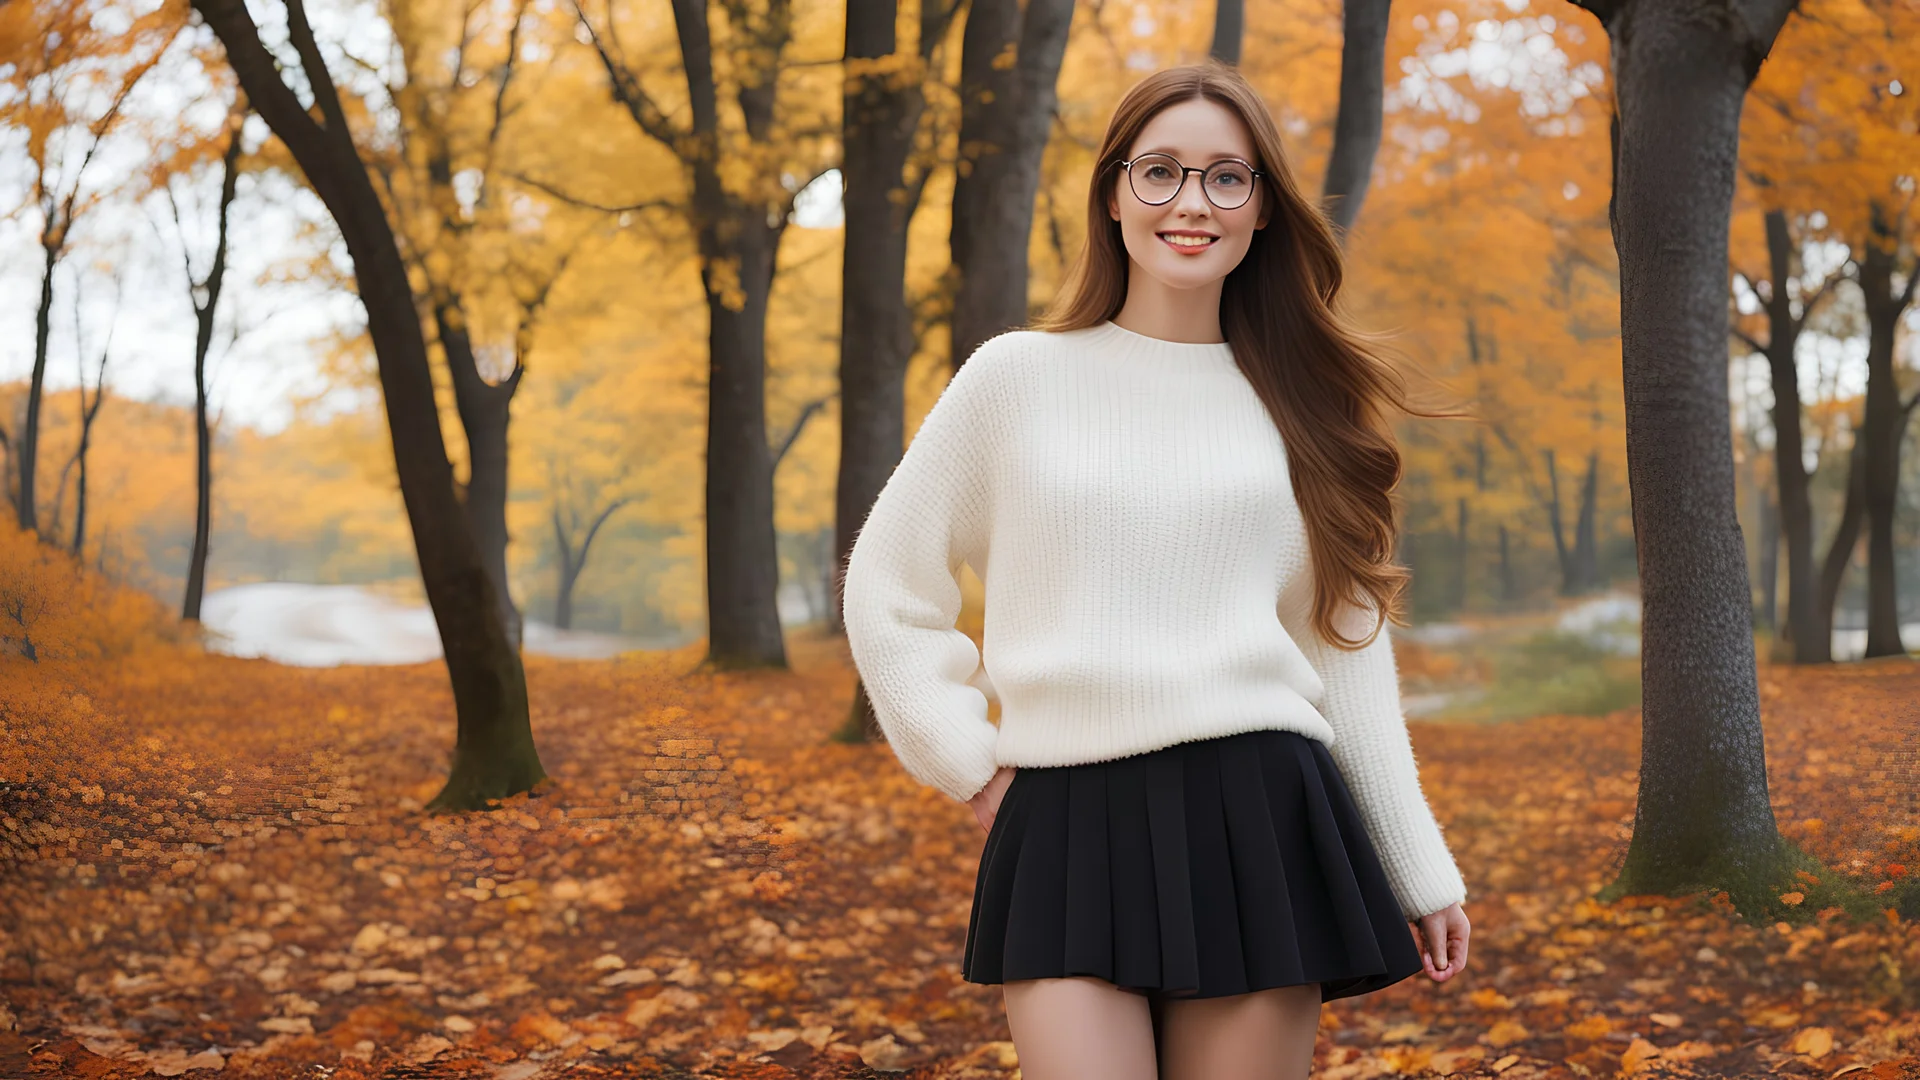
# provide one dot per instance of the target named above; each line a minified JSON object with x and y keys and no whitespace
{"x":1175,"y":487}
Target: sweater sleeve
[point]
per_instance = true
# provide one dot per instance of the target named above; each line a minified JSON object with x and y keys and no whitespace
{"x":901,"y":597}
{"x":1375,"y":755}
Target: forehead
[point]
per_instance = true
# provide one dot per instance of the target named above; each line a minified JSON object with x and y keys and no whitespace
{"x":1198,"y":129}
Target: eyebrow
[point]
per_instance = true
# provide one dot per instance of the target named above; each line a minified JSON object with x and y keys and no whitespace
{"x":1170,"y":153}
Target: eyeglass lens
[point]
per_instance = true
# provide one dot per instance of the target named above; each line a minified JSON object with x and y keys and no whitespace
{"x":1156,"y":178}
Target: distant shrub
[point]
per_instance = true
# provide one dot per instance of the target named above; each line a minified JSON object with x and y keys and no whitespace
{"x":1553,"y":673}
{"x":54,"y":608}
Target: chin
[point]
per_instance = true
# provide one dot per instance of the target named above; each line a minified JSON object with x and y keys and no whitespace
{"x":1186,"y":279}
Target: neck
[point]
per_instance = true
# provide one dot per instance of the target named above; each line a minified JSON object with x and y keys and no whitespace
{"x":1158,"y":310}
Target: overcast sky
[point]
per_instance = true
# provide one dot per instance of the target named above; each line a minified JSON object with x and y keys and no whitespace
{"x":126,"y":258}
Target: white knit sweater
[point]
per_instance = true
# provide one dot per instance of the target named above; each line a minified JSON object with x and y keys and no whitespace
{"x":1126,"y":502}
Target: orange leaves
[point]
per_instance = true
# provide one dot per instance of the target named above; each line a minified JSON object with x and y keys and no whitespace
{"x":53,"y":608}
{"x":730,"y":911}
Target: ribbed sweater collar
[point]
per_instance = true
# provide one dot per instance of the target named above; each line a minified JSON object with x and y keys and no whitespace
{"x":1111,"y":339}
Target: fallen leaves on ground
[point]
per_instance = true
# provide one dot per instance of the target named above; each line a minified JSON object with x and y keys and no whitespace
{"x":217,"y":865}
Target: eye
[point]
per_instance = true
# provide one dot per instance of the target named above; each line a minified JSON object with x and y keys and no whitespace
{"x":1158,"y":172}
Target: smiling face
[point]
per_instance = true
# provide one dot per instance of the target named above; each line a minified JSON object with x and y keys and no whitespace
{"x":1188,"y":242}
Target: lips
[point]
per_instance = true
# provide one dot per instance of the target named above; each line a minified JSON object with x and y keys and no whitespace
{"x":1189,"y":241}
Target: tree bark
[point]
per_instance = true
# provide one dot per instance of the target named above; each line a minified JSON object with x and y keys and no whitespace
{"x":486,"y":411}
{"x":1357,"y":127}
{"x":1884,"y":425}
{"x":1833,"y":569}
{"x":1584,"y":577}
{"x":1006,"y":112}
{"x":203,"y":314}
{"x":89,"y":412}
{"x":881,"y":113}
{"x":738,"y":236}
{"x":572,"y":562}
{"x":29,"y":455}
{"x":1769,"y":561}
{"x":1229,"y":30}
{"x":1789,"y":449}
{"x":494,"y":754}
{"x":1681,"y":70}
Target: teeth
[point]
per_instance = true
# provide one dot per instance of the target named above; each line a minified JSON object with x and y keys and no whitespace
{"x":1189,"y":241}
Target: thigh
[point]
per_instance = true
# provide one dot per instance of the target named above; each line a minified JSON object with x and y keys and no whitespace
{"x":1265,"y":1035}
{"x":1079,"y":1028}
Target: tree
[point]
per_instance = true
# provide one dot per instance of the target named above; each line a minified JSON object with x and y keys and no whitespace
{"x":738,"y":211}
{"x":494,"y":754}
{"x":1681,"y":69}
{"x":1230,"y":30}
{"x":1356,"y":131}
{"x":574,"y":530}
{"x":89,"y":412}
{"x":462,"y":238}
{"x":203,"y":292}
{"x":882,"y":104}
{"x":1806,"y":631}
{"x":52,"y":66}
{"x":1009,"y":66}
{"x":1885,"y":423}
{"x":1831,"y":138}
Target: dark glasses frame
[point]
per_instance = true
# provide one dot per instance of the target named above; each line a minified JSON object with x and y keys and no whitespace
{"x":1185,"y":169}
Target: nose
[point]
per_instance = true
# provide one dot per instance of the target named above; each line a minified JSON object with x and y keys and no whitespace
{"x":1192,"y":200}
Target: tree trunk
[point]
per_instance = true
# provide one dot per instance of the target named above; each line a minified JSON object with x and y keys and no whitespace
{"x":1462,"y":514}
{"x":1833,"y":569}
{"x":881,"y":115}
{"x":1006,"y":112}
{"x":1509,"y":588}
{"x":1789,"y":464}
{"x":569,"y":575}
{"x":1681,"y":73}
{"x":29,"y":453}
{"x":573,"y":563}
{"x":202,"y":344}
{"x":1356,"y":129}
{"x":485,"y":412}
{"x":739,"y":240}
{"x":1585,"y":576}
{"x":493,"y":754}
{"x":89,"y":412}
{"x":1229,"y":30}
{"x":1563,"y":555}
{"x":1769,"y":560}
{"x":1882,"y":429}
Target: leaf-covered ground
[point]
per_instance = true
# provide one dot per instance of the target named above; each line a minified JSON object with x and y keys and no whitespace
{"x":222,"y":864}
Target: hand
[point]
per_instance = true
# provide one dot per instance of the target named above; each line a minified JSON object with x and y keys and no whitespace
{"x":986,"y":805}
{"x":1443,"y":942}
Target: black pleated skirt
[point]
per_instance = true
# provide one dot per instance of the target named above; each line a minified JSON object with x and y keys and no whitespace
{"x":1203,"y":869}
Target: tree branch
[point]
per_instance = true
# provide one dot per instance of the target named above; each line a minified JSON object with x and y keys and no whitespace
{"x":319,"y":79}
{"x":629,"y":93}
{"x":588,"y":204}
{"x":259,"y":73}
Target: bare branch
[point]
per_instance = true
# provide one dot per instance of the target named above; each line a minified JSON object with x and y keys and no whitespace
{"x":629,"y":93}
{"x":588,"y":204}
{"x":319,"y":79}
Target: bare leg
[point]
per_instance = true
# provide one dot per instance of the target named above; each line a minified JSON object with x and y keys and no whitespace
{"x":1080,"y":1028}
{"x":1265,"y":1035}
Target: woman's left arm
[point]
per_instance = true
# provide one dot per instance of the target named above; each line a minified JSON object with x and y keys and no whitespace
{"x":1375,"y":755}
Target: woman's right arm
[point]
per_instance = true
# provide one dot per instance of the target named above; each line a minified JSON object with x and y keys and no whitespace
{"x":901,"y":596}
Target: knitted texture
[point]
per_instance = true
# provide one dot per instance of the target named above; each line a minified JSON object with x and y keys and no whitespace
{"x":1126,"y":502}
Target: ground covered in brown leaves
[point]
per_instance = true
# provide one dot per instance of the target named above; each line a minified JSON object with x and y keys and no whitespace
{"x":213,"y":864}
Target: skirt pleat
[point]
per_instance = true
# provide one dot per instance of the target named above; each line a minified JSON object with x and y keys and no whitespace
{"x":1203,"y":869}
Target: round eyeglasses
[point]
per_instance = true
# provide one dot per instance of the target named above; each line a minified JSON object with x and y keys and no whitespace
{"x":1157,"y":178}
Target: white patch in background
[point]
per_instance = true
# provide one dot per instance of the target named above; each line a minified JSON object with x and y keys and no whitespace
{"x":329,"y":625}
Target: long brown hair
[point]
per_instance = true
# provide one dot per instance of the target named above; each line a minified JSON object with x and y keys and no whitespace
{"x":1321,"y":378}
